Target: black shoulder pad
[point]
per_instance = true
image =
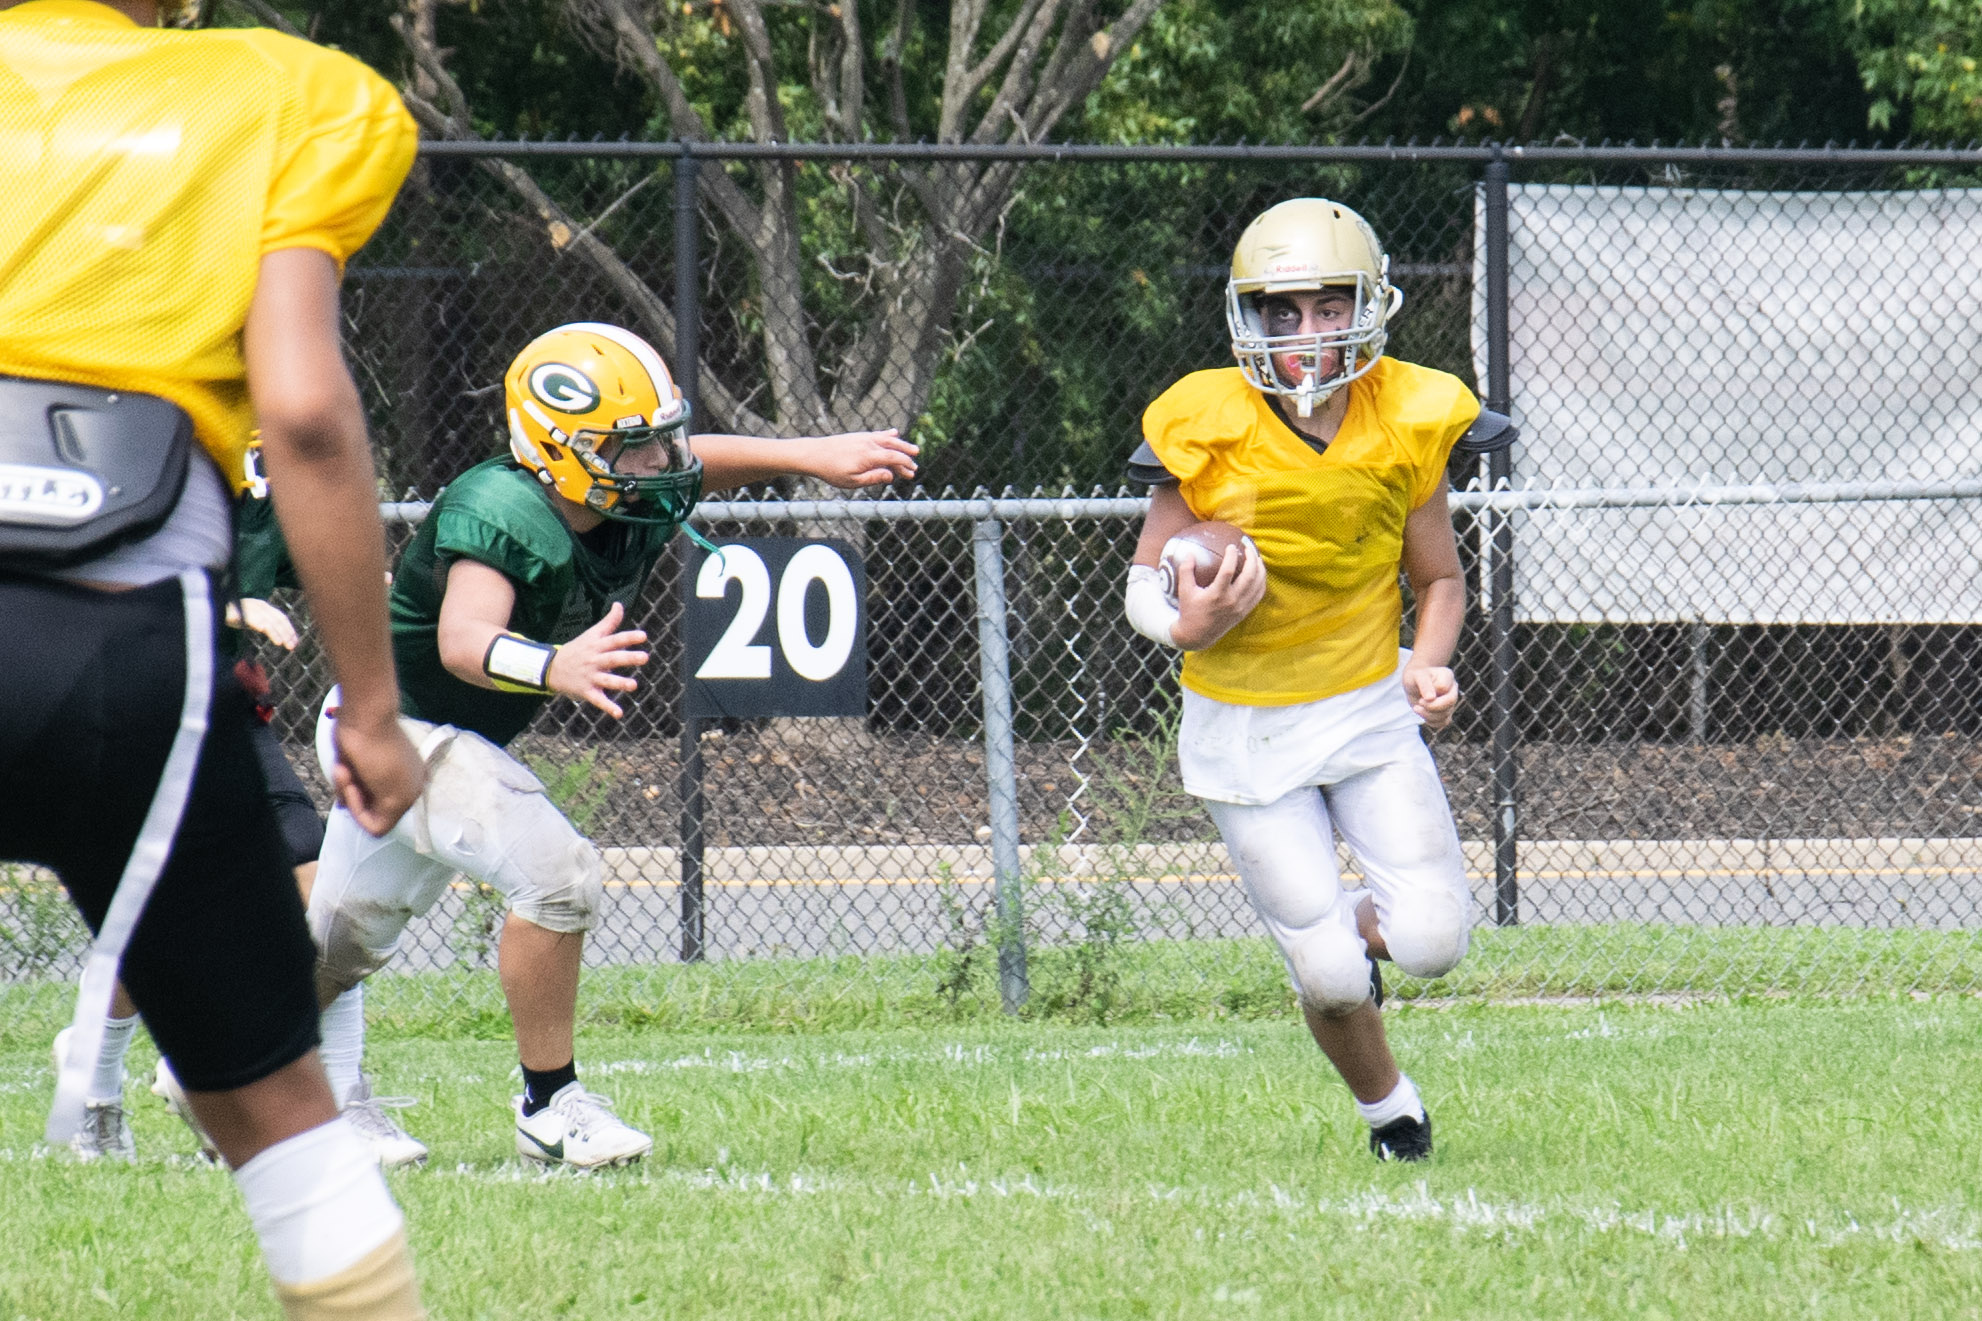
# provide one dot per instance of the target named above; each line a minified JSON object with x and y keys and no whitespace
{"x":1145,"y":469}
{"x":1490,"y":431}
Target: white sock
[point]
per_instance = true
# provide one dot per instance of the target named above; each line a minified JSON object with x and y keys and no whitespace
{"x":1403,"y":1101}
{"x":108,"y":1082}
{"x":343,"y":1048}
{"x":318,"y":1203}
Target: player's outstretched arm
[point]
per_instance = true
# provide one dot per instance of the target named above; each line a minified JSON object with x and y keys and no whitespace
{"x":849,"y":461}
{"x":1431,"y":563}
{"x":314,"y":442}
{"x":477,"y":647}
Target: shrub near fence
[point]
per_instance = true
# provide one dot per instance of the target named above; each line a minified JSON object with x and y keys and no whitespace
{"x":1812,"y":787}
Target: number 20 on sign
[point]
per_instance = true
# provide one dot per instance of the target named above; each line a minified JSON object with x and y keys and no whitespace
{"x":775,"y":626}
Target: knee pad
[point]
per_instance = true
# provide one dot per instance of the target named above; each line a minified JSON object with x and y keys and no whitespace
{"x":563,"y":893}
{"x":1330,"y":967}
{"x":331,"y":1235}
{"x":1429,"y":941}
{"x":355,"y":941}
{"x":491,"y":819}
{"x":366,"y":891}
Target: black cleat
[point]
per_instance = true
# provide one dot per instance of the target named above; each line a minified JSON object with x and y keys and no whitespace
{"x":1402,"y":1139}
{"x":1376,"y":982}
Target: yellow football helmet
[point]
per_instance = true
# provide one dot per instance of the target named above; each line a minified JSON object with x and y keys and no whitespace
{"x":1309,"y":243}
{"x":581,"y":386}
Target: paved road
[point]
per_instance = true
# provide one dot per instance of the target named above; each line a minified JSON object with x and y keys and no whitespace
{"x":786,"y":902}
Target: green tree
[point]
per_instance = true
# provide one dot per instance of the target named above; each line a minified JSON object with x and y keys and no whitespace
{"x":853,"y":275}
{"x":1222,"y":70}
{"x":1918,"y":60}
{"x":1528,"y":70}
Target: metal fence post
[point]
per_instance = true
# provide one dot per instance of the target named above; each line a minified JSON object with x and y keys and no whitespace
{"x":687,"y":375}
{"x":1506,"y":823}
{"x":1699,"y":693}
{"x":1000,"y":767}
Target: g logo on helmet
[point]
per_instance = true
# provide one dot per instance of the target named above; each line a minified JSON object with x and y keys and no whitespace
{"x":564,"y":388}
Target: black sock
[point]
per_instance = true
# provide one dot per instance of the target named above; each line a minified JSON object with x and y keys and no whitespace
{"x":540,"y":1085}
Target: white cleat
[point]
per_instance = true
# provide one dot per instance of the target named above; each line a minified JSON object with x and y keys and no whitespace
{"x":578,"y":1128}
{"x":166,"y":1087}
{"x":105,"y":1134}
{"x":106,"y":1130}
{"x":391,"y":1145}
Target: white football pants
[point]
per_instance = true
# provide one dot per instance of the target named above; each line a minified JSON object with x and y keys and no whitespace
{"x":1390,"y":810}
{"x":483,"y":815}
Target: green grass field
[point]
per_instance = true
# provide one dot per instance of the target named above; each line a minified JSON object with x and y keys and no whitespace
{"x":1725,"y":1158}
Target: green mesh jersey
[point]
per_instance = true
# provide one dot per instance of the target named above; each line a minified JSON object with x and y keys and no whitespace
{"x":261,"y":561}
{"x":497,"y":514}
{"x":261,"y":557}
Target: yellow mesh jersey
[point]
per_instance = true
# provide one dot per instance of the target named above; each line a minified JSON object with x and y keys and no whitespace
{"x":1330,"y":526}
{"x":145,"y":173}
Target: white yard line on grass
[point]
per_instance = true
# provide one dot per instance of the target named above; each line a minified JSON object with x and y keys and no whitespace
{"x":961,"y":1055}
{"x":1953,"y":1228}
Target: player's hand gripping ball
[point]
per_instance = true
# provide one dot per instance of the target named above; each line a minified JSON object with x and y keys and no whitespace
{"x":1199,"y":549}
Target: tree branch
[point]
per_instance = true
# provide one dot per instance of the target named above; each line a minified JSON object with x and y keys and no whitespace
{"x":1076,"y":70}
{"x":767,"y":114}
{"x":1337,"y":82}
{"x":1019,"y":72}
{"x":787,"y":348}
{"x":966,"y":16}
{"x":974,"y":81}
{"x":853,"y":73}
{"x":565,"y":236}
{"x":267,"y":15}
{"x":620,"y":33}
{"x":891,"y":63}
{"x":1383,"y":100}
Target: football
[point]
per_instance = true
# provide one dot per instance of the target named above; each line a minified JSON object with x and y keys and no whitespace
{"x":1201,"y":546}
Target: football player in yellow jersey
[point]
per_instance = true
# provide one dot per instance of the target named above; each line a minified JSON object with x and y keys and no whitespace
{"x":1301,"y":712}
{"x":180,"y":209}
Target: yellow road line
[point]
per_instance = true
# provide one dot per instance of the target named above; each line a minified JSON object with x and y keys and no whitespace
{"x":1228,"y":878}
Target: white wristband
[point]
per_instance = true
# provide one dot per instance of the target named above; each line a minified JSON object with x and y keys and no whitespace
{"x":515,"y":664}
{"x":1151,"y":613}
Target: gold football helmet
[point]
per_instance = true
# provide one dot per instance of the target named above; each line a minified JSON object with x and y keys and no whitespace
{"x":587,"y":386}
{"x":1309,"y":243}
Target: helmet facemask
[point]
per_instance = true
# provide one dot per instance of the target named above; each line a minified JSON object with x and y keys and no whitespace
{"x":663,"y":495}
{"x":1309,"y":245}
{"x":1357,"y":345}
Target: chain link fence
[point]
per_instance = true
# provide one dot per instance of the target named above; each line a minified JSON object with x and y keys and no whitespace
{"x":1722,"y":657}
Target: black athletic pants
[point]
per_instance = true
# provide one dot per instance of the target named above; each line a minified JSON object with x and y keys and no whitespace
{"x":91,"y":685}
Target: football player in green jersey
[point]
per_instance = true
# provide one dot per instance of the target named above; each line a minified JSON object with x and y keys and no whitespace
{"x":515,"y":590}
